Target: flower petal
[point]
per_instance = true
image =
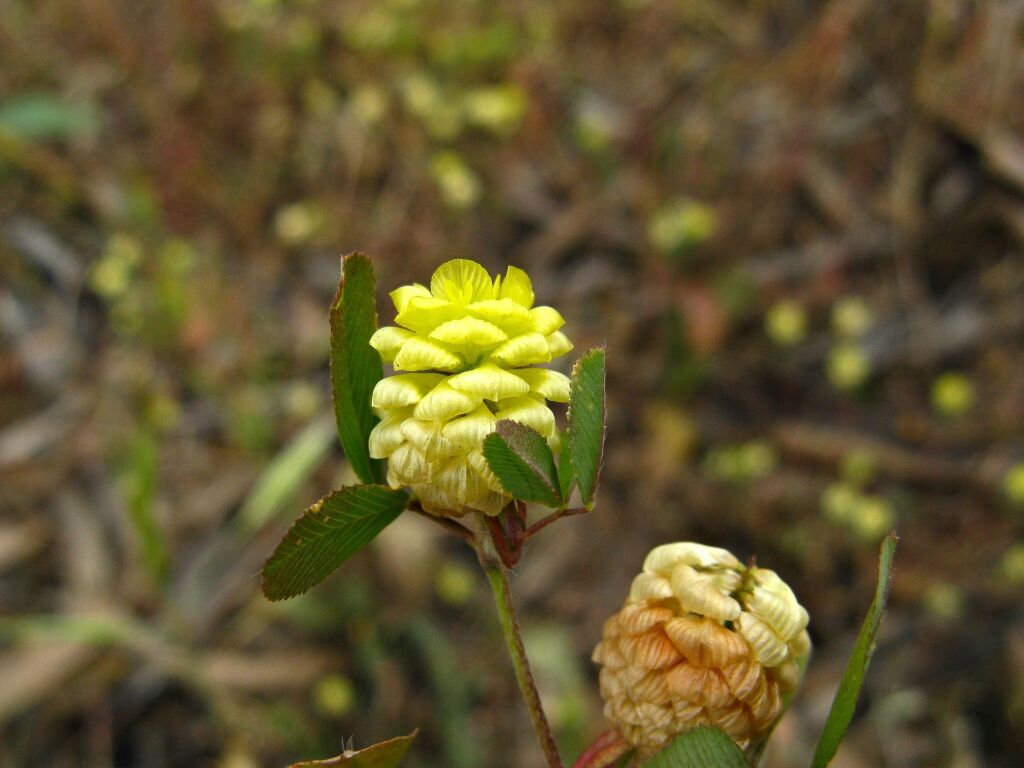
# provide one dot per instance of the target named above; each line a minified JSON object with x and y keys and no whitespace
{"x":479,"y":463}
{"x":546,"y":320}
{"x":516,"y":286}
{"x":423,"y":314}
{"x":767,"y":646}
{"x":530,"y":411}
{"x":462,"y":282}
{"x":427,"y":438}
{"x":549,"y":384}
{"x":665,"y":558}
{"x":490,"y":503}
{"x":389,"y":340}
{"x":527,"y":349}
{"x":400,"y":296}
{"x":558,"y":344}
{"x":506,"y":314}
{"x":468,"y":432}
{"x":387,"y":435}
{"x":407,"y":466}
{"x":443,"y":403}
{"x":469,"y":330}
{"x":404,"y":389}
{"x":459,"y":481}
{"x":698,"y":592}
{"x":490,"y":382}
{"x":419,"y":354}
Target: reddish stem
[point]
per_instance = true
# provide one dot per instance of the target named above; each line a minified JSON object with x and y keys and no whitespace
{"x":544,"y":522}
{"x":606,"y":750}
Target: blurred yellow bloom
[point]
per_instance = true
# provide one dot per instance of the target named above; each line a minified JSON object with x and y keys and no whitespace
{"x":701,"y":639}
{"x":464,"y":346}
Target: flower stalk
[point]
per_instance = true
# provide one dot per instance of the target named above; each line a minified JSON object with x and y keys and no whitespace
{"x":497,"y":577}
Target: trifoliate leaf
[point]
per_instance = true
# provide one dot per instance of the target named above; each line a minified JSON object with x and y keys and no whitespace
{"x":703,"y":747}
{"x":587,"y":421}
{"x":355,"y":365}
{"x":330,"y":531}
{"x":522,"y":460}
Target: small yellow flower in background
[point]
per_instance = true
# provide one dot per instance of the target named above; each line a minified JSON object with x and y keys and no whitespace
{"x":701,"y":640}
{"x":852,"y":317}
{"x":786,"y":323}
{"x":848,"y":366}
{"x":465,"y":346}
{"x":953,"y":394}
{"x":459,"y":185}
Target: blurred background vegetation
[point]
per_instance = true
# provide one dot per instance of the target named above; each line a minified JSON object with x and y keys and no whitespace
{"x":797,"y":225}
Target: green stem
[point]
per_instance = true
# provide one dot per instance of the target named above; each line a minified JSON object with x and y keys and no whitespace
{"x":498,"y":578}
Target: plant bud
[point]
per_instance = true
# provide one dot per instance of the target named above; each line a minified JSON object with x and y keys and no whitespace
{"x":465,"y":347}
{"x":701,"y":640}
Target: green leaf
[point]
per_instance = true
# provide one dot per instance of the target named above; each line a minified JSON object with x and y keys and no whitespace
{"x":327,"y":534}
{"x":386,"y":754}
{"x":522,"y":460}
{"x":843,"y":705}
{"x":355,"y":365}
{"x":41,"y":116}
{"x":703,"y":747}
{"x":292,"y":466}
{"x":566,"y":473}
{"x":587,"y":421}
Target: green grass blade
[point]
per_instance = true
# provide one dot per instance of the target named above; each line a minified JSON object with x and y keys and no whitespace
{"x":522,"y":460}
{"x":587,"y":421}
{"x":327,"y":534}
{"x":355,"y":365}
{"x":845,"y":702}
{"x":292,"y":466}
{"x":703,"y":747}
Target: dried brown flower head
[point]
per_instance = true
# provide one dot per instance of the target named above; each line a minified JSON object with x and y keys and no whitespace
{"x":701,"y":640}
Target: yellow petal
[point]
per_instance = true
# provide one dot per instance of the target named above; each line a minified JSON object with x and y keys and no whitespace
{"x":526,"y":349}
{"x":401,"y":296}
{"x":664,"y":559}
{"x":698,"y":592}
{"x":506,"y":314}
{"x":469,"y":330}
{"x":443,"y":403}
{"x":490,"y":503}
{"x":404,"y":389}
{"x":558,"y":344}
{"x":767,"y":646}
{"x":461,"y":282}
{"x":387,"y":435}
{"x":427,"y":438}
{"x":549,"y":384}
{"x":460,"y":482}
{"x":408,"y":466}
{"x":469,"y":431}
{"x":772,"y":601}
{"x":648,"y":586}
{"x":546,"y":320}
{"x":435,"y":501}
{"x":490,"y":382}
{"x":530,"y":411}
{"x":479,"y":463}
{"x":424,"y":313}
{"x":419,"y":354}
{"x":389,"y":340}
{"x":517,"y":287}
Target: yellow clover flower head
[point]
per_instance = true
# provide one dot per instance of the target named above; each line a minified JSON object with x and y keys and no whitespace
{"x":466,"y":346}
{"x":701,"y":640}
